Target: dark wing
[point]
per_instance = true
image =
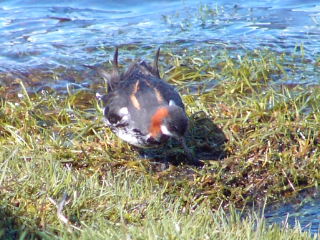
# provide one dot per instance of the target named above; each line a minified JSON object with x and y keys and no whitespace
{"x":151,"y":74}
{"x":167,"y":92}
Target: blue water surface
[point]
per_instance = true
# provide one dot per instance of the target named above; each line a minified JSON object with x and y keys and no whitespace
{"x":50,"y":34}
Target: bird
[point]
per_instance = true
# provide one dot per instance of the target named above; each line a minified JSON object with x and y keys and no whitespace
{"x":142,"y":109}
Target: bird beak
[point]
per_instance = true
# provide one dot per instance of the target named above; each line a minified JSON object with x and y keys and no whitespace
{"x":186,"y":150}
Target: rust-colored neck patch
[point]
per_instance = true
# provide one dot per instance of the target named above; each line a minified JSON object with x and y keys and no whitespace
{"x":133,"y":98}
{"x":156,"y":119}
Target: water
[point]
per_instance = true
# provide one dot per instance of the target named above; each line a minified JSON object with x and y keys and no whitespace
{"x":302,"y":210}
{"x":49,"y":42}
{"x":45,"y":43}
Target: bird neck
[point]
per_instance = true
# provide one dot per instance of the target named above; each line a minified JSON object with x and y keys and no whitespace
{"x":156,"y":120}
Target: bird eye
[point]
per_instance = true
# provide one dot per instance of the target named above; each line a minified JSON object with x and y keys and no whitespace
{"x":174,"y":128}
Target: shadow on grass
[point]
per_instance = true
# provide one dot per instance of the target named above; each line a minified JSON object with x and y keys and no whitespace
{"x":205,"y":140}
{"x":11,"y":227}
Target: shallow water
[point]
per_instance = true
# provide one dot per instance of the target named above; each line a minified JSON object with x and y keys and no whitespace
{"x":49,"y":40}
{"x":303,"y":210}
{"x":45,"y":44}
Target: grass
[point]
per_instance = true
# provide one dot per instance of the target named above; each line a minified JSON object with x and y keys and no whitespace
{"x":257,"y":137}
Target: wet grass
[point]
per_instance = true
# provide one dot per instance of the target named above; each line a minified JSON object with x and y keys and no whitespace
{"x":63,"y":175}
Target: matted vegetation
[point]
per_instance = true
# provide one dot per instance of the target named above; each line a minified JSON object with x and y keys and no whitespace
{"x":257,"y":139}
